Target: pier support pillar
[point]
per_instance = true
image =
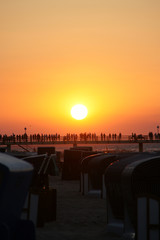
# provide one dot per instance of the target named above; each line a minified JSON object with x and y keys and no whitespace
{"x":75,"y":144}
{"x":140,"y":147}
{"x":8,"y":147}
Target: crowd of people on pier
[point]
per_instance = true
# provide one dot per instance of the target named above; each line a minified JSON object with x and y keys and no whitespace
{"x":75,"y":137}
{"x":30,"y":138}
{"x":57,"y":137}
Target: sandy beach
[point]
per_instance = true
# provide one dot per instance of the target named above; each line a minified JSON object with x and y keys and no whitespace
{"x":78,"y":217}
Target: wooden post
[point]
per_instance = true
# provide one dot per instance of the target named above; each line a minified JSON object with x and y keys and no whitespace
{"x":140,"y":147}
{"x":8,"y":147}
{"x":75,"y":144}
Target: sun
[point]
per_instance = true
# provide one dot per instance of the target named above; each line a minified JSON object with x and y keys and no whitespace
{"x":79,"y":112}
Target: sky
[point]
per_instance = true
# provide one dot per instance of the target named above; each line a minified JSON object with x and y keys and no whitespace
{"x":104,"y":54}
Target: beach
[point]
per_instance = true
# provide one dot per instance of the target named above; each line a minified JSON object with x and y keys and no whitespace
{"x":78,"y":217}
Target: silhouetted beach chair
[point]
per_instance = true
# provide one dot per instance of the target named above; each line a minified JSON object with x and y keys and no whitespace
{"x":40,"y":204}
{"x":39,"y":180}
{"x":148,"y":217}
{"x":15,"y":178}
{"x":72,"y":163}
{"x":124,"y":180}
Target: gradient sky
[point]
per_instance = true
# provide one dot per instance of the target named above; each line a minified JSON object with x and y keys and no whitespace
{"x":104,"y":54}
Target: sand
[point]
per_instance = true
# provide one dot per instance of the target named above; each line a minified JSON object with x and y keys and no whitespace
{"x":78,"y":217}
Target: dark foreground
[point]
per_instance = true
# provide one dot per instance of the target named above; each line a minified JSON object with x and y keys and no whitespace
{"x":78,"y":217}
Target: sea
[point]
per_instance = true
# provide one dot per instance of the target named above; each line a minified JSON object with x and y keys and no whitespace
{"x":131,"y":147}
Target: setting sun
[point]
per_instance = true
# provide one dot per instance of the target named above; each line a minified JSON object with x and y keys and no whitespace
{"x":79,"y":112}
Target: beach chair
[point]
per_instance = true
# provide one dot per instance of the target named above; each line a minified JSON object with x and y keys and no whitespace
{"x":15,"y":178}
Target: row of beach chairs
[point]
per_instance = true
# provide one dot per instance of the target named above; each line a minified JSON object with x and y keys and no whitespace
{"x":130,"y":183}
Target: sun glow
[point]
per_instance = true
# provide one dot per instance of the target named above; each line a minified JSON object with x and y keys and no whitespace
{"x":79,"y":112}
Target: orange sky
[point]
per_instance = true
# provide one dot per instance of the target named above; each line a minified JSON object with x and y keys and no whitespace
{"x":103,"y":54}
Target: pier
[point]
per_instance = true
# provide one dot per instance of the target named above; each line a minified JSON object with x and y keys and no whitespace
{"x":75,"y":142}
